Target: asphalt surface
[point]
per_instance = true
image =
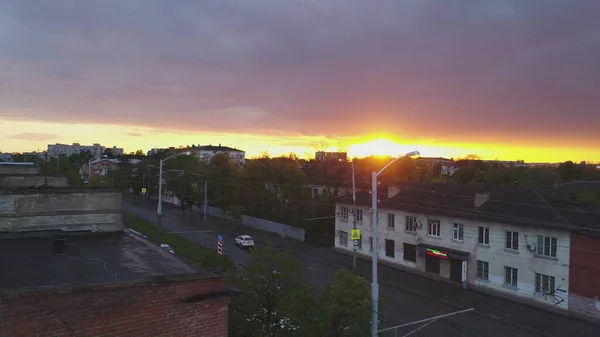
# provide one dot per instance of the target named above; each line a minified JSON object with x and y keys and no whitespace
{"x":407,"y":297}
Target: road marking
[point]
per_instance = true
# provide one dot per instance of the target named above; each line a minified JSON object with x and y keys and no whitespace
{"x":206,"y":231}
{"x":311,"y":269}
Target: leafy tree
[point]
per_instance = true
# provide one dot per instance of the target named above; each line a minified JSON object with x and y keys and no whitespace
{"x":345,"y":307}
{"x":274,"y":299}
{"x":223,"y":177}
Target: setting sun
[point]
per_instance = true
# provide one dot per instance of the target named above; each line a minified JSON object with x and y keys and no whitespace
{"x":377,"y":147}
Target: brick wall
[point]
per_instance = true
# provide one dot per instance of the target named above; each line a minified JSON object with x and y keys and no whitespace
{"x":584,"y":275}
{"x":134,"y":309}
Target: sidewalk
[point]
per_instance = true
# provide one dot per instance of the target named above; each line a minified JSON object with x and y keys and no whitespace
{"x":506,"y":311}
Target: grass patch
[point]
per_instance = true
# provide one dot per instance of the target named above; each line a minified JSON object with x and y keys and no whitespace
{"x":206,"y":258}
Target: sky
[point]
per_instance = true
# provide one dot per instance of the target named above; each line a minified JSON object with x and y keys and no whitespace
{"x":505,"y":79}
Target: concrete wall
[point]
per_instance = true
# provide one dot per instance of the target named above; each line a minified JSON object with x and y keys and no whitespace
{"x":527,"y":263}
{"x":18,"y":169}
{"x":25,"y":181}
{"x":64,"y":210}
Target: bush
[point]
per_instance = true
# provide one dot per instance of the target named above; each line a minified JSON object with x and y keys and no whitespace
{"x":206,"y":258}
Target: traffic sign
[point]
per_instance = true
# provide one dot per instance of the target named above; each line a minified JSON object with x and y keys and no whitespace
{"x":355,"y":242}
{"x":144,"y":190}
{"x":220,"y":247}
{"x":219,"y":237}
{"x":355,"y":234}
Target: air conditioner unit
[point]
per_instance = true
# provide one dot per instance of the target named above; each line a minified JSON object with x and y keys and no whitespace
{"x":419,"y":224}
{"x":417,"y":238}
{"x":531,"y":247}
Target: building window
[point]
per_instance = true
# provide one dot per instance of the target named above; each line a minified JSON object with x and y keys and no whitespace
{"x":390,"y":248}
{"x":359,"y":245}
{"x":434,"y":227}
{"x":359,"y":215}
{"x":484,"y":236}
{"x":344,"y":211}
{"x":547,"y":245}
{"x":483,"y":270}
{"x":343,"y":238}
{"x":512,"y":240}
{"x":511,"y":276}
{"x":391,"y":221}
{"x":410,"y":252}
{"x":544,"y":284}
{"x":371,"y":244}
{"x":411,"y":224}
{"x":458,"y":232}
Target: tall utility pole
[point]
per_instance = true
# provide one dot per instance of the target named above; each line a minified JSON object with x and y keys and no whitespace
{"x":375,"y":239}
{"x":160,"y":182}
{"x":205,"y":198}
{"x":354,"y":217}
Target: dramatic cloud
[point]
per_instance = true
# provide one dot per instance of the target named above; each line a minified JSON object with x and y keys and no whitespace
{"x":34,"y":136}
{"x":464,"y":70}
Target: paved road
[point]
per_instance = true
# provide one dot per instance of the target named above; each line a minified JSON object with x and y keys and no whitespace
{"x":402,"y":305}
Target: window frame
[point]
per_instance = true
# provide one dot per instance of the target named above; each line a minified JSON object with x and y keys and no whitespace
{"x":359,"y":215}
{"x":512,"y":240}
{"x":344,"y":213}
{"x":512,"y":279}
{"x":550,"y":284}
{"x":483,"y":235}
{"x":343,"y":234}
{"x":412,"y":248}
{"x":411,"y":224}
{"x":548,"y":246}
{"x":459,"y":229}
{"x":391,"y":224}
{"x":434,"y":224}
{"x":484,"y":268}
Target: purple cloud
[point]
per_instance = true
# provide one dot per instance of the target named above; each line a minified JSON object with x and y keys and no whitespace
{"x":34,"y":136}
{"x":462,"y":70}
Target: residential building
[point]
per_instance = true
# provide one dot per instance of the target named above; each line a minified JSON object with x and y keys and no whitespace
{"x":4,"y":157}
{"x":98,"y":167}
{"x":324,"y":156}
{"x":55,"y":150}
{"x":505,"y":240}
{"x":206,"y":152}
{"x":115,"y":151}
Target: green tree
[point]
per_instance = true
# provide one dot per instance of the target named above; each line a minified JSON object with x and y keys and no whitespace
{"x":345,"y":307}
{"x":274,"y":299}
{"x":223,"y":180}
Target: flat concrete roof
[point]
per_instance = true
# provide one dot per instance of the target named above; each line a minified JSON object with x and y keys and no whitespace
{"x":28,"y":264}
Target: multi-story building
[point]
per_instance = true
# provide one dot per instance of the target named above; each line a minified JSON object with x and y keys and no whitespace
{"x":5,"y":157}
{"x":501,"y":239}
{"x":56,"y":150}
{"x":206,"y":152}
{"x":115,"y":151}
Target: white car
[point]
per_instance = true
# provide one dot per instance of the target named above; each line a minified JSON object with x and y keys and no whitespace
{"x":244,"y":241}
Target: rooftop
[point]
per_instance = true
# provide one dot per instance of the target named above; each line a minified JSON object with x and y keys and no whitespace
{"x":502,"y":204}
{"x":28,"y":263}
{"x":216,"y":148}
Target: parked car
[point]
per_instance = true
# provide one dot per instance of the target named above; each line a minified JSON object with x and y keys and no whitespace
{"x":244,"y":241}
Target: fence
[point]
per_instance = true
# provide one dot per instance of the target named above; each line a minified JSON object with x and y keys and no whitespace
{"x":250,"y":221}
{"x":258,"y":223}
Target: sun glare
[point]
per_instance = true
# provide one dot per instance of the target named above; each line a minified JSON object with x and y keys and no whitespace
{"x":377,"y":147}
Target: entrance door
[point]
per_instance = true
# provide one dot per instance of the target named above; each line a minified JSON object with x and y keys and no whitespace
{"x":455,"y":270}
{"x":432,"y":264}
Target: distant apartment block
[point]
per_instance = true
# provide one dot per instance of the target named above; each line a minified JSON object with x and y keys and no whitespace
{"x":115,"y":151}
{"x":323,"y":156}
{"x":206,"y":152}
{"x":56,"y":150}
{"x":5,"y":157}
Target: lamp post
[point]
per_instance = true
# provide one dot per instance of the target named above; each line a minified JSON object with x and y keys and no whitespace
{"x":375,"y":242}
{"x":160,"y":179}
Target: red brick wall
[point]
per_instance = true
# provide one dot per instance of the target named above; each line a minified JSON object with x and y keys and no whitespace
{"x":139,"y":309}
{"x":584,"y":275}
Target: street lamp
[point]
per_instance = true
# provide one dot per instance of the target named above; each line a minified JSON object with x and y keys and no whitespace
{"x":375,"y":242}
{"x":160,"y":179}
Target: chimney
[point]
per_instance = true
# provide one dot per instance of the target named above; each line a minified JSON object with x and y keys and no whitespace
{"x":481,"y":198}
{"x":393,"y":191}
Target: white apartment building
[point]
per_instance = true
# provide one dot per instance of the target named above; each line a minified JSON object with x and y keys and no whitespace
{"x":205,"y":153}
{"x":56,"y":150}
{"x":465,"y":237}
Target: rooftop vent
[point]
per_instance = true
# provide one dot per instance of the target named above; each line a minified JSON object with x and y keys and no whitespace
{"x":481,"y":198}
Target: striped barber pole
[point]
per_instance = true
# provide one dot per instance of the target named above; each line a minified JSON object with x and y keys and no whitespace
{"x":220,"y":247}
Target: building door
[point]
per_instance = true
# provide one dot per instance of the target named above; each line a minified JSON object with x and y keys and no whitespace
{"x":432,"y":264}
{"x":455,"y":270}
